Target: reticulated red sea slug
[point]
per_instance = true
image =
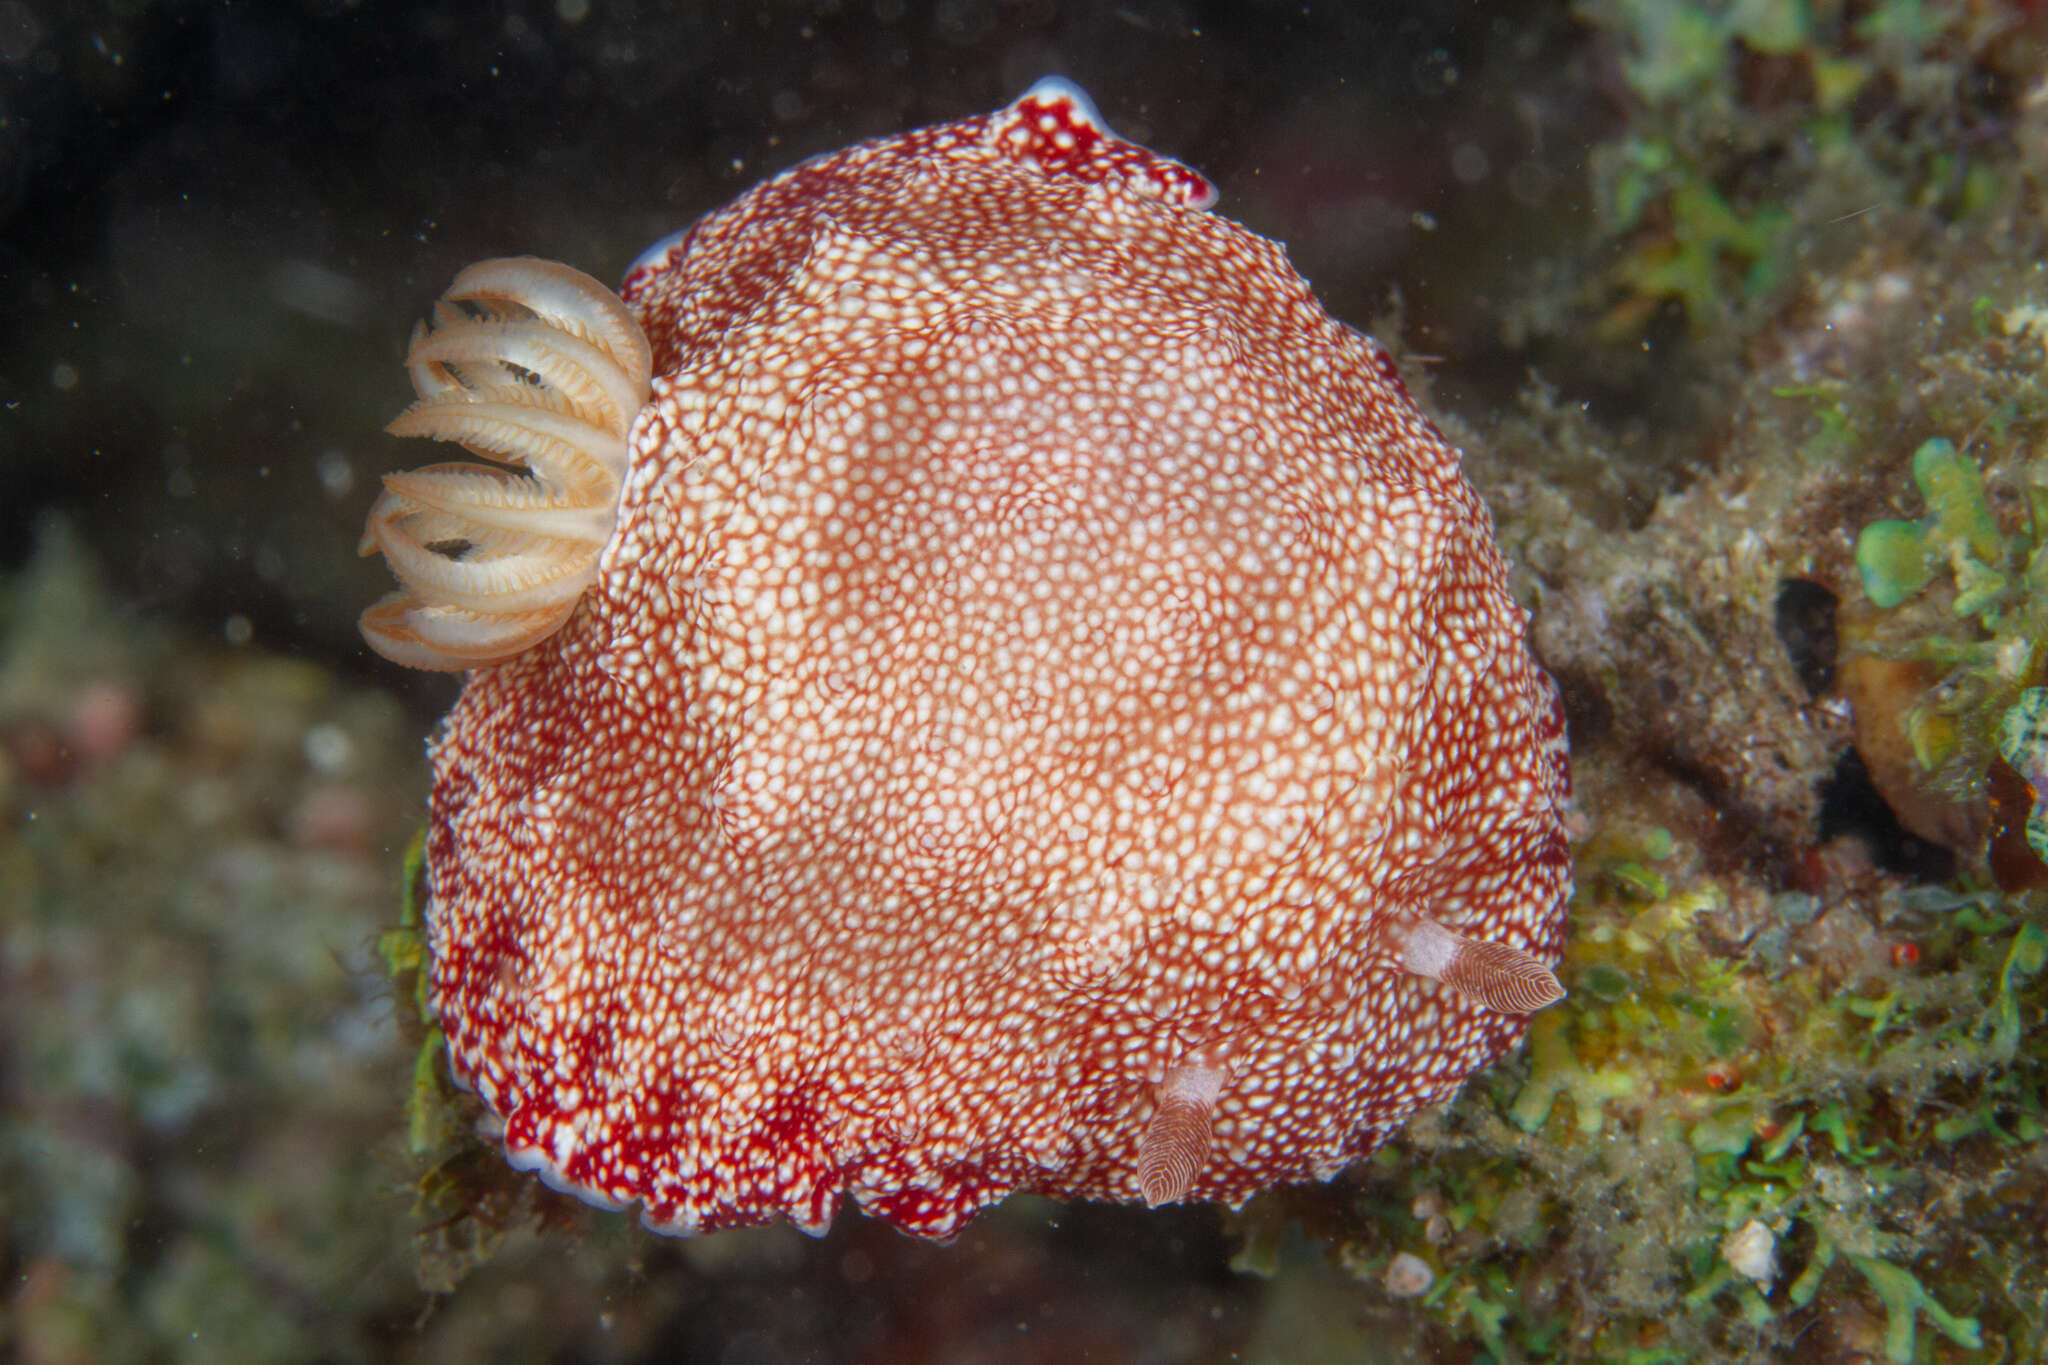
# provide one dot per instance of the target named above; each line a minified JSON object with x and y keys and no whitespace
{"x":977,"y":684}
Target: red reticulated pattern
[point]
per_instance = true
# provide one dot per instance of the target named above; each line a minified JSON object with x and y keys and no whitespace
{"x":1039,"y":647}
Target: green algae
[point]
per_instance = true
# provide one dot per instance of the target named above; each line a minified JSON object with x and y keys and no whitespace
{"x":1900,"y":558}
{"x":2023,"y":744}
{"x":1756,"y":128}
{"x":1961,"y":594}
{"x":1906,"y":1300}
{"x":1698,"y":1091}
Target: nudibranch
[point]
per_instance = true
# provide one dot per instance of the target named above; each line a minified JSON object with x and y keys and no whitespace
{"x":976,"y":684}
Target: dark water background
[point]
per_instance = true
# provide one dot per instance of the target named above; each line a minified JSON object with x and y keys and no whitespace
{"x":221,"y":219}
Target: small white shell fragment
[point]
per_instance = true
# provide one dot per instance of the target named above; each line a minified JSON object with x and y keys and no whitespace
{"x":1752,"y":1252}
{"x":1408,"y":1276}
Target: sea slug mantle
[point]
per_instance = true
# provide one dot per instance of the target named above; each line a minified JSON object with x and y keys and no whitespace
{"x":978,"y":684}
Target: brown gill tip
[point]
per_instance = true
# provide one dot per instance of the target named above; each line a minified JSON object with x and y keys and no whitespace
{"x":1176,"y":1142}
{"x":1505,"y":980}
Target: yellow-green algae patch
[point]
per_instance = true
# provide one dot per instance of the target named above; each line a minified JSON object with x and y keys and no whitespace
{"x":1864,"y":1106}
